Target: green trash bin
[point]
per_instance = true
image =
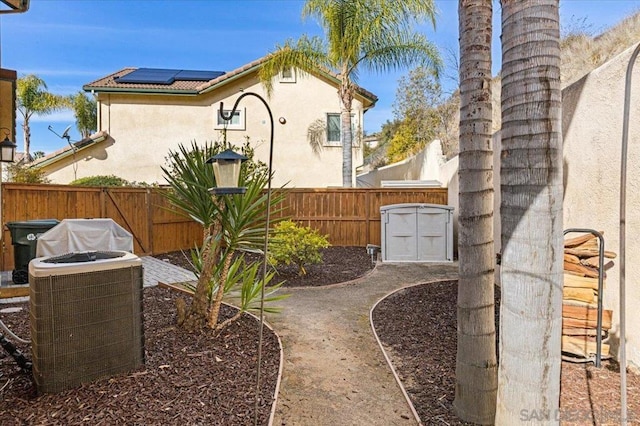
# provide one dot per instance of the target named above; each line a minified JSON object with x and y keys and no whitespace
{"x":24,"y":238}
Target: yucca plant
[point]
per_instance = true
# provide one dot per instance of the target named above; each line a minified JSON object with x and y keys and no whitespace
{"x":230,"y":223}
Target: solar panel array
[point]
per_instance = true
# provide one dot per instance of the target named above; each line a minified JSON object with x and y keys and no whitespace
{"x":166,"y":76}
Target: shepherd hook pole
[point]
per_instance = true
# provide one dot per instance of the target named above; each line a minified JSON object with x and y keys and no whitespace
{"x":266,"y":238}
{"x":623,"y":208}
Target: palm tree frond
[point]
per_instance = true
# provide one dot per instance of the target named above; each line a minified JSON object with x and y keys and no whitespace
{"x":399,"y":51}
{"x":306,"y":55}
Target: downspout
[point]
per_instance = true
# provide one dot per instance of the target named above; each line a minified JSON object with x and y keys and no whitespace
{"x":623,"y":207}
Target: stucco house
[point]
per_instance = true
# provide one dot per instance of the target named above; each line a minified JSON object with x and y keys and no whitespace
{"x":143,"y":113}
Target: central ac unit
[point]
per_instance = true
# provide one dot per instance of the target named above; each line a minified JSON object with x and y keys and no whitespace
{"x":86,"y":317}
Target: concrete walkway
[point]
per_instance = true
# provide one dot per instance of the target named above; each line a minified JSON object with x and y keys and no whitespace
{"x":334,"y":370}
{"x":155,"y":270}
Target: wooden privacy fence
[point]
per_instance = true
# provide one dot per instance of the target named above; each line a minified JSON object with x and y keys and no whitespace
{"x":349,"y":216}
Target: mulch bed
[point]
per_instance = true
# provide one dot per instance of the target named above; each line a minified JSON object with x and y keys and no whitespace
{"x":339,"y":264}
{"x":417,"y":326}
{"x":188,"y":378}
{"x":200,"y":378}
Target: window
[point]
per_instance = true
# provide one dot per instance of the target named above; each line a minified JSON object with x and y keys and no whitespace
{"x":288,"y":76}
{"x":333,"y":129}
{"x":236,"y":122}
{"x":334,"y":136}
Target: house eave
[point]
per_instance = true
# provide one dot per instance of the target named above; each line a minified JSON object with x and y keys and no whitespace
{"x":68,"y":152}
{"x":95,"y":89}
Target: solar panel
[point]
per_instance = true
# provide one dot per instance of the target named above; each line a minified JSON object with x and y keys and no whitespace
{"x":150,"y":76}
{"x":166,"y":76}
{"x":195,"y":75}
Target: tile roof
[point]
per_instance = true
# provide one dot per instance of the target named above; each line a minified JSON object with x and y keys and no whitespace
{"x":109,"y":83}
{"x":69,"y":149}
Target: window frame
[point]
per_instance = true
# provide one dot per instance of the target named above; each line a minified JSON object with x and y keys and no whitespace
{"x":287,"y":79}
{"x":354,"y":127}
{"x":220,"y":122}
{"x":329,"y":142}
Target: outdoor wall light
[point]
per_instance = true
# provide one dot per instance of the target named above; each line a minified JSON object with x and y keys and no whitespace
{"x":226,"y":169}
{"x":7,"y":147}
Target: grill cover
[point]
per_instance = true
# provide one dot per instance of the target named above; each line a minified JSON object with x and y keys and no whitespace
{"x":76,"y":235}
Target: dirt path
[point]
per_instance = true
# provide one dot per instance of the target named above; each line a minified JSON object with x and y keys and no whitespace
{"x":334,"y":371}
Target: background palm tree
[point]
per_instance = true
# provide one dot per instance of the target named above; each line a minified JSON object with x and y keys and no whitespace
{"x":531,"y":213}
{"x":33,"y":98}
{"x":85,"y":111}
{"x":476,"y":364}
{"x":361,"y":35}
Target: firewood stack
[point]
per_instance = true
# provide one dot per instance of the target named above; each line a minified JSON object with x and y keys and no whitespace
{"x":580,"y":297}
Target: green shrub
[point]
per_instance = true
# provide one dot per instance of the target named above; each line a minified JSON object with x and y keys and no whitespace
{"x":296,"y":244}
{"x":20,"y":173}
{"x":100,"y":180}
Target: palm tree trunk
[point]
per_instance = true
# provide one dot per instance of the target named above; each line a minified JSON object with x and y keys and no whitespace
{"x":531,"y":212}
{"x":26,"y":130}
{"x":476,"y":364}
{"x":346,"y":97}
{"x":347,"y":149}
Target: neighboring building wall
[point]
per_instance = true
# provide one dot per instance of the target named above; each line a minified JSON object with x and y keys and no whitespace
{"x":448,"y":175}
{"x":423,"y":166}
{"x":144,"y":128}
{"x":592,"y":129}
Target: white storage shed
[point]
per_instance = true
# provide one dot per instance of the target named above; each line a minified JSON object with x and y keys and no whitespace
{"x":417,"y":233}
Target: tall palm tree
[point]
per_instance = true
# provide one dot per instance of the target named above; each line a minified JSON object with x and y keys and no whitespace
{"x":33,"y":98}
{"x":531,"y":214}
{"x":85,"y":111}
{"x":476,"y":364}
{"x":361,"y":35}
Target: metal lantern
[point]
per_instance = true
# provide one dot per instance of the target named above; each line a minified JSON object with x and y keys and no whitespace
{"x":7,"y":150}
{"x":226,"y":169}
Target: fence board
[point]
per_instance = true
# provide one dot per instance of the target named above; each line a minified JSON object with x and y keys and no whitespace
{"x":170,"y":230}
{"x":349,"y":216}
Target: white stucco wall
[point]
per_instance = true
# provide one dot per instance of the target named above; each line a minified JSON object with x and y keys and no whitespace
{"x":592,"y":133}
{"x":143,"y":128}
{"x":424,"y":165}
{"x":592,"y":128}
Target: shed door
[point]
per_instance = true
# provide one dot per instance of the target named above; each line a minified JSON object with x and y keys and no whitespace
{"x":432,"y":224}
{"x":401,"y":234}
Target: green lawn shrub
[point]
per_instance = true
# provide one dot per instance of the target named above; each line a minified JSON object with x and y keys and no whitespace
{"x":298,"y":245}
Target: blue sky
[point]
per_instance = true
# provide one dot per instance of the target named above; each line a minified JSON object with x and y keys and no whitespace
{"x":69,"y":43}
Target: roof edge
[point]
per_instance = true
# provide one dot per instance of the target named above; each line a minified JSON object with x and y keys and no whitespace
{"x":70,"y":150}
